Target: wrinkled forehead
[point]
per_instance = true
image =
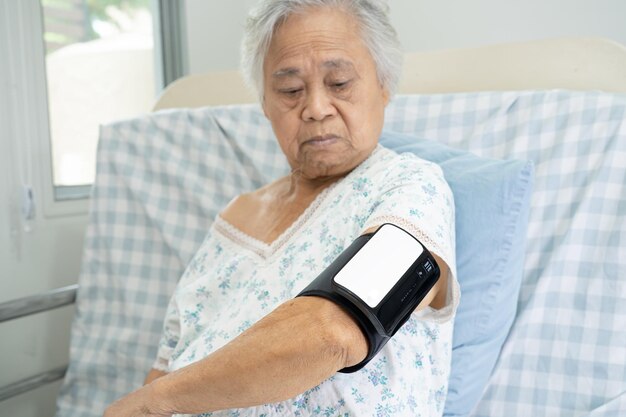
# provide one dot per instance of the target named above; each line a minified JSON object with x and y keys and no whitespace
{"x":337,"y":64}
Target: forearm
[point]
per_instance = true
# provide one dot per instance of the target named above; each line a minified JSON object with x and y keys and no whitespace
{"x":282,"y":355}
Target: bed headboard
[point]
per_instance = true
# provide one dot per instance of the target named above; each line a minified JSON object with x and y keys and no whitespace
{"x":564,"y":63}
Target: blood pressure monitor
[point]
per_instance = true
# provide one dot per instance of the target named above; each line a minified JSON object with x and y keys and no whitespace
{"x":379,"y":280}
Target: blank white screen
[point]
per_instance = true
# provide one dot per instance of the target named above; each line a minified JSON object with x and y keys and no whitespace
{"x":376,"y":268}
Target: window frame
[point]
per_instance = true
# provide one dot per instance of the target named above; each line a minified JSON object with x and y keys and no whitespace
{"x":26,"y":74}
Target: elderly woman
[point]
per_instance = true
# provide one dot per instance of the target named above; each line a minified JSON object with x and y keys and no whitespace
{"x":236,"y":342}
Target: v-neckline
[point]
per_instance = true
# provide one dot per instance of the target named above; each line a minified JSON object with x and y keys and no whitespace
{"x":266,"y":250}
{"x":263,"y":249}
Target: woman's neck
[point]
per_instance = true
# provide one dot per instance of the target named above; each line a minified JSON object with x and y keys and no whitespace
{"x":298,"y":186}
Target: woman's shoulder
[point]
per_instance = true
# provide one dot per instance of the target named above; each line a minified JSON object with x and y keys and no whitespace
{"x":389,"y":160}
{"x":389,"y":168}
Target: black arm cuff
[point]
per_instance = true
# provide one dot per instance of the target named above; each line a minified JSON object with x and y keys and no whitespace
{"x":379,"y":323}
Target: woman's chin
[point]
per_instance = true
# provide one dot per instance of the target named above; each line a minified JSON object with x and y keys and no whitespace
{"x":325,"y":168}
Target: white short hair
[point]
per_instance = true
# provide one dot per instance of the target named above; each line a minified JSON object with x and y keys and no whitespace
{"x":371,"y":16}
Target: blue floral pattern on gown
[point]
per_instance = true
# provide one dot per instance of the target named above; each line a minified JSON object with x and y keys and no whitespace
{"x":234,"y":280}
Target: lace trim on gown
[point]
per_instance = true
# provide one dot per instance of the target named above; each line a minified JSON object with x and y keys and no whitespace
{"x":430,"y":244}
{"x":261,"y":248}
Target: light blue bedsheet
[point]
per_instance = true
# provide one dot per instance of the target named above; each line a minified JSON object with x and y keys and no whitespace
{"x":162,"y":178}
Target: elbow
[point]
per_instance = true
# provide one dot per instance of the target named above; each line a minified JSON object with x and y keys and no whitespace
{"x":344,"y":340}
{"x":322,"y":333}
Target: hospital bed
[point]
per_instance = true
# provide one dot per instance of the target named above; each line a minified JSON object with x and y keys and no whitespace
{"x":558,"y":342}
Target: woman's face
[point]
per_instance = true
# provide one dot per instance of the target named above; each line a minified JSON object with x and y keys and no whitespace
{"x":322,"y":94}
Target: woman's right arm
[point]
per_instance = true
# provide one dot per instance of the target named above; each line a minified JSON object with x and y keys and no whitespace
{"x":152,"y":375}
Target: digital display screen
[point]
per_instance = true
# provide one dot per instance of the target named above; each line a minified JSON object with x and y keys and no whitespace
{"x":380,"y":264}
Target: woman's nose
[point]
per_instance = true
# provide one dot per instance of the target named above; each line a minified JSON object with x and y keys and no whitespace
{"x":318,"y":105}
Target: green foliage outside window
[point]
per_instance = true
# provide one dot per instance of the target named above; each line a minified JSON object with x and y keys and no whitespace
{"x":70,"y":21}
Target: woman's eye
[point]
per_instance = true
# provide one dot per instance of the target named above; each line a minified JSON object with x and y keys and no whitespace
{"x":340,"y":85}
{"x":291,"y":92}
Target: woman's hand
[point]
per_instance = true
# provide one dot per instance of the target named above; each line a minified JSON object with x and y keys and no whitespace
{"x":139,"y":403}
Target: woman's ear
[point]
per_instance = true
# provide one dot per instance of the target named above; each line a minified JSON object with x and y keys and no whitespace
{"x":386,"y":95}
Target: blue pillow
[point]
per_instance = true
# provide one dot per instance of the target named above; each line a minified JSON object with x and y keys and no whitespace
{"x":492,"y":200}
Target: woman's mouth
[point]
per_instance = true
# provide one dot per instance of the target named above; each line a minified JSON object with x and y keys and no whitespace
{"x":322,"y":140}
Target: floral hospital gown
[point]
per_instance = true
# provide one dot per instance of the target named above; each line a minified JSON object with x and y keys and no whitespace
{"x":234,"y":280}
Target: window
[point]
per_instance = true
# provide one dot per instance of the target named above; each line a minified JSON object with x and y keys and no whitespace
{"x":69,"y":66}
{"x":100,"y":67}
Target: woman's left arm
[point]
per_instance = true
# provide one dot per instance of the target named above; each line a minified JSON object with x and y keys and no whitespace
{"x":294,"y":348}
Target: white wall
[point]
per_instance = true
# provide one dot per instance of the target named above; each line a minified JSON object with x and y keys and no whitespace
{"x":214,"y":27}
{"x":214,"y":31}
